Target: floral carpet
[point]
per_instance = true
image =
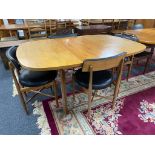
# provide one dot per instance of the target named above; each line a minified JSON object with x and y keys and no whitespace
{"x":134,"y":112}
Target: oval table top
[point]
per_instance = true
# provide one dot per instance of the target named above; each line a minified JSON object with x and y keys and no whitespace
{"x":146,"y":36}
{"x":50,"y":54}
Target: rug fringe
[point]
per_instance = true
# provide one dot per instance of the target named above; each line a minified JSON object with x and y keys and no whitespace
{"x":42,"y":122}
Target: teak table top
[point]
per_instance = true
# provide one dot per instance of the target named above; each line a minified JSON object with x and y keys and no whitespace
{"x":146,"y":36}
{"x":50,"y":54}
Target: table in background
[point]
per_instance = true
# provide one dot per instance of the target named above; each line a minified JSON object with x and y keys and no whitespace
{"x":92,"y":29}
{"x":145,"y":36}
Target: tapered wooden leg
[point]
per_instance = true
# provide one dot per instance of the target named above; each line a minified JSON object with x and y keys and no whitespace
{"x":116,"y":91}
{"x":55,"y":93}
{"x":146,"y":64}
{"x":113,"y":72}
{"x":129,"y":71}
{"x":63,"y":90}
{"x":89,"y":102}
{"x":117,"y":87}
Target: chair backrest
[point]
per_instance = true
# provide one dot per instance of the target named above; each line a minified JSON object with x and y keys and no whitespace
{"x":11,"y":55}
{"x":127,"y":36}
{"x":109,"y":22}
{"x":103,"y":63}
{"x":36,"y":28}
{"x":51,"y":25}
{"x":122,"y":24}
{"x":85,"y":22}
{"x":137,"y":26}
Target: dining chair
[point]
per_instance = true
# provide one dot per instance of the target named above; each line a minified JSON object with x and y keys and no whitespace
{"x":109,"y":22}
{"x":143,"y":55}
{"x":5,"y":36}
{"x":36,"y":28}
{"x":120,"y":25}
{"x":84,"y":22}
{"x":27,"y":81}
{"x":95,"y":74}
{"x":51,"y":25}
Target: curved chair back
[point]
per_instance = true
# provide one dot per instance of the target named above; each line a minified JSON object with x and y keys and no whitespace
{"x":128,"y":36}
{"x":11,"y":55}
{"x":103,"y":63}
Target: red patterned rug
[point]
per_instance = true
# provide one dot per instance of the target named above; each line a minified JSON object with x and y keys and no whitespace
{"x":134,"y":113}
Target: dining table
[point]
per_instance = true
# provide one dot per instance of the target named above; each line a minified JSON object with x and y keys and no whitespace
{"x":145,"y":36}
{"x":92,"y":29}
{"x":67,"y":53}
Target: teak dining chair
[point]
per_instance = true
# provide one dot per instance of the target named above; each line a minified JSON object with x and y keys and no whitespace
{"x":143,"y":55}
{"x":30,"y":81}
{"x":36,"y":28}
{"x":95,"y":74}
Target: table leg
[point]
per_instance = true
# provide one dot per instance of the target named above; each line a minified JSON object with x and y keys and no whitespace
{"x":63,"y":90}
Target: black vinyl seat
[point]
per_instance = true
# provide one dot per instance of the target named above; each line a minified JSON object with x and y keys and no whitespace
{"x":101,"y":79}
{"x":34,"y":79}
{"x":143,"y":54}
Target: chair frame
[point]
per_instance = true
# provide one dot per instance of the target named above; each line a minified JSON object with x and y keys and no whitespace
{"x":51,"y":25}
{"x":91,"y":65}
{"x":148,"y":58}
{"x":23,"y":91}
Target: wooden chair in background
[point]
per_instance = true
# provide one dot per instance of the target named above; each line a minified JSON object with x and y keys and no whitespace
{"x":109,"y":22}
{"x":121,"y":25}
{"x":85,"y":22}
{"x":36,"y":28}
{"x":30,"y":81}
{"x":95,"y":75}
{"x":51,"y":26}
{"x":143,"y":55}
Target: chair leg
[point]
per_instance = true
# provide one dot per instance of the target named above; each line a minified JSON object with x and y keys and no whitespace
{"x":89,"y":101}
{"x":146,"y":64}
{"x":55,"y":93}
{"x":116,"y":91}
{"x":129,"y":71}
